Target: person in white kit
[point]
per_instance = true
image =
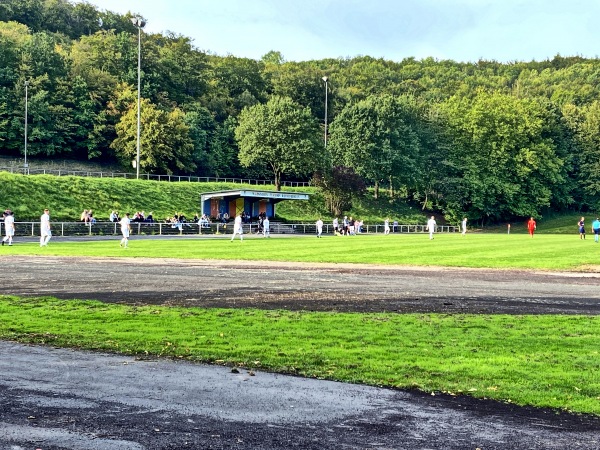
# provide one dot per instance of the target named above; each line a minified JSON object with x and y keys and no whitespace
{"x":431,"y":224}
{"x":9,"y":227}
{"x":266,"y":228}
{"x":464,"y":226}
{"x":125,"y":230}
{"x":46,"y":232}
{"x":319,"y":225}
{"x":237,"y":227}
{"x":386,"y":226}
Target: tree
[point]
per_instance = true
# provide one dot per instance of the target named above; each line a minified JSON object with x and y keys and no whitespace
{"x":339,"y":185}
{"x":281,"y":135}
{"x":377,"y":138}
{"x":505,"y":152}
{"x":165,"y":144}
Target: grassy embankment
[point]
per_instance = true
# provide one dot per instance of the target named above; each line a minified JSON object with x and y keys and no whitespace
{"x":67,"y":197}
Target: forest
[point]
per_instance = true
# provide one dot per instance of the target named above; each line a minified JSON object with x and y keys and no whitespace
{"x":487,"y":140}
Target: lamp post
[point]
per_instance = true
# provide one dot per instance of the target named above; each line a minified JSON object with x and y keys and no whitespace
{"x":25,"y":166}
{"x":139,"y":23}
{"x":325,"y":79}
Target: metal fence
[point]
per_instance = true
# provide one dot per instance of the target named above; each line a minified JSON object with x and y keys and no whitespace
{"x":168,"y":229}
{"x":148,"y":176}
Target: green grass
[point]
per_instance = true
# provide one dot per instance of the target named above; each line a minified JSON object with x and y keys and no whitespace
{"x":544,"y":361}
{"x":546,"y":252}
{"x":68,"y":196}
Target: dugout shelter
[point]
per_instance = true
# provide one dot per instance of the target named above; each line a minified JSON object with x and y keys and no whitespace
{"x":254,"y":202}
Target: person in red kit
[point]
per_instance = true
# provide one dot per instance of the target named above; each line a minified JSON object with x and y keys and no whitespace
{"x":531,"y":226}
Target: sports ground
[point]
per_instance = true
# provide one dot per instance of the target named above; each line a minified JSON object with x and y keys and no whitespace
{"x":374,"y":418}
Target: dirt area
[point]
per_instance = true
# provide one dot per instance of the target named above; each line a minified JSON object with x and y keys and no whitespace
{"x":297,"y":286}
{"x":58,"y":399}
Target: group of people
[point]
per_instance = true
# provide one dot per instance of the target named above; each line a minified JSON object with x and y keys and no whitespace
{"x":595,"y":228}
{"x":87,"y":217}
{"x":347,"y":227}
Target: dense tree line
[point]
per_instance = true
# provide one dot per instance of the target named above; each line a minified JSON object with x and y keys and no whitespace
{"x":484,"y":139}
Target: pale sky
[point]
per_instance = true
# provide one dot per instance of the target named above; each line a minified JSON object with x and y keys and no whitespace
{"x":460,"y":30}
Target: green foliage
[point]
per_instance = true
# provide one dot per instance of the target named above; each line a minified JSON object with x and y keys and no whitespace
{"x":339,"y":186}
{"x":280,"y":135}
{"x":491,"y":140}
{"x":376,"y":137}
{"x":504,"y":156}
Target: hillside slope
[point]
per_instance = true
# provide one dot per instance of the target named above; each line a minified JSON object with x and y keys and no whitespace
{"x":67,"y":197}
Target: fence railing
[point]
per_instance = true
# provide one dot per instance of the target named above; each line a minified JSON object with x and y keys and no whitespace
{"x":168,"y":229}
{"x":147,"y":176}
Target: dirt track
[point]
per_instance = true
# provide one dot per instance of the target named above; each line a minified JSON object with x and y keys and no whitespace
{"x":55,"y":399}
{"x":294,"y":286}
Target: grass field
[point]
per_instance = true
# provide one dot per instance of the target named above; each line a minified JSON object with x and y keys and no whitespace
{"x":546,"y":361}
{"x":542,"y":360}
{"x":550,"y":252}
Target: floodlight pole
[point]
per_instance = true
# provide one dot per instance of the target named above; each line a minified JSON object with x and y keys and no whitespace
{"x":139,"y":24}
{"x":325,"y":79}
{"x":26,"y":101}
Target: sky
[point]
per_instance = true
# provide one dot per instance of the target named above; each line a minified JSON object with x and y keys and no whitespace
{"x":301,"y":30}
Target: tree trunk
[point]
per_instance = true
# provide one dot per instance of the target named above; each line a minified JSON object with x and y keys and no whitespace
{"x":277,"y":181}
{"x":391,"y":188}
{"x":376,"y":195}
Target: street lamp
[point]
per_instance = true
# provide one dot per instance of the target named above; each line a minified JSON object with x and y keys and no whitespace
{"x":139,"y":23}
{"x":325,"y":79}
{"x":26,"y":100}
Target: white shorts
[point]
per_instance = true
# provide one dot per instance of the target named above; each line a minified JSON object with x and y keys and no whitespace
{"x":10,"y":232}
{"x":125,"y":232}
{"x":46,"y":232}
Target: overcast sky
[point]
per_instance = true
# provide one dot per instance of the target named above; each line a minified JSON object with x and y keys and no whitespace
{"x":461,"y":30}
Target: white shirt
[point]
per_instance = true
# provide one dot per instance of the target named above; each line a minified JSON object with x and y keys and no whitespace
{"x":266,"y":224}
{"x":237,"y":223}
{"x":431,"y":223}
{"x":9,"y":222}
{"x":319,"y":224}
{"x":45,"y":221}
{"x":125,"y":222}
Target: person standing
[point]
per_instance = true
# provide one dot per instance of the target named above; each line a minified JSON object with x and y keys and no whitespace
{"x":45,"y":229}
{"x":336,"y":226}
{"x":386,"y":226}
{"x":596,"y":228}
{"x":125,"y":230}
{"x":9,"y":227}
{"x":266,"y":228}
{"x":319,"y":225}
{"x":464,"y":226}
{"x":581,"y":225}
{"x":431,"y":224}
{"x":531,"y":226}
{"x":237,"y":227}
